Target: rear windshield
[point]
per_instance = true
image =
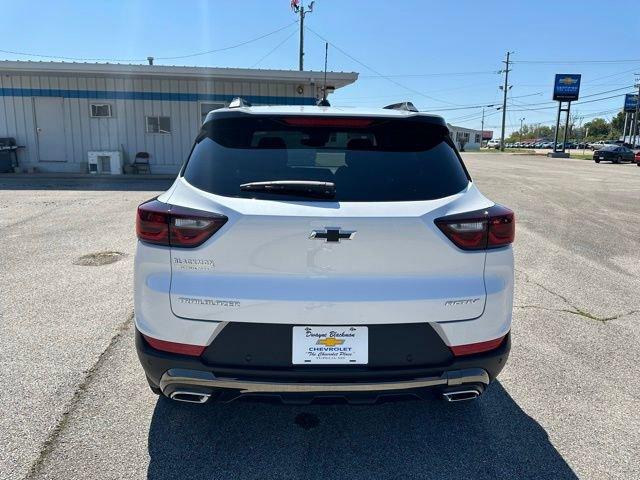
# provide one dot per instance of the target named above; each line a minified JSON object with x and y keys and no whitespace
{"x":372,"y":160}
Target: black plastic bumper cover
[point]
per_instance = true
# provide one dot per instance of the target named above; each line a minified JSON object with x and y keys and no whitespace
{"x":156,"y":363}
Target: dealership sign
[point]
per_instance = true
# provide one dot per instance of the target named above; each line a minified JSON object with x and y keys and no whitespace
{"x":630,"y":102}
{"x":566,"y":87}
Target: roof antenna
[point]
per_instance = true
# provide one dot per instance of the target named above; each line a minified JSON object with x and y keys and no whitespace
{"x":324,"y":102}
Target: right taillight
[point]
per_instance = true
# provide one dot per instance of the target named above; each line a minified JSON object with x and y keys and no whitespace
{"x":492,"y":227}
{"x":164,"y":224}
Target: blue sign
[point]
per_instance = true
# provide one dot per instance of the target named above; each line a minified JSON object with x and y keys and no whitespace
{"x":630,"y":102}
{"x":566,"y":87}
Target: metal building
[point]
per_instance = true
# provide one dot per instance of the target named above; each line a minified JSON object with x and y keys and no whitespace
{"x":62,"y":112}
{"x":466,"y":139}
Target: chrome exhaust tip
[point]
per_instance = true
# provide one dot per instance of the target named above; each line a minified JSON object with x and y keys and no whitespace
{"x":461,"y":395}
{"x":189,"y":397}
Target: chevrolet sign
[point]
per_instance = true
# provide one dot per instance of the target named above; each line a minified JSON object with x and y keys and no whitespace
{"x":566,"y":87}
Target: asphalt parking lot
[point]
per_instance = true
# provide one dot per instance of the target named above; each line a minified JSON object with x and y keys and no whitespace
{"x":75,"y":403}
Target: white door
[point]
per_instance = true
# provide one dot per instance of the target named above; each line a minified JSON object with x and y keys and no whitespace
{"x":50,"y":129}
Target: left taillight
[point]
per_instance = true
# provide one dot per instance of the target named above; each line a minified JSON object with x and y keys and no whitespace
{"x":492,"y":227}
{"x":170,"y":225}
{"x":173,"y":347}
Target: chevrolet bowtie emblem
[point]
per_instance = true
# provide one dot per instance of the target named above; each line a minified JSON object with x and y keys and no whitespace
{"x":330,"y":341}
{"x":568,"y":80}
{"x":332,"y":234}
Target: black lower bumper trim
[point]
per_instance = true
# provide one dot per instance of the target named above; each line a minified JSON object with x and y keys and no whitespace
{"x":157,"y":363}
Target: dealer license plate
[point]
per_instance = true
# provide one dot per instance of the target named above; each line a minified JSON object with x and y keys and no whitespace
{"x":335,"y":345}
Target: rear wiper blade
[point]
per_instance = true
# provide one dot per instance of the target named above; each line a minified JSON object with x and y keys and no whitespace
{"x":309,"y":188}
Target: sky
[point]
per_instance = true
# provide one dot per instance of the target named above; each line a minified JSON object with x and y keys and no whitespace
{"x":444,"y":56}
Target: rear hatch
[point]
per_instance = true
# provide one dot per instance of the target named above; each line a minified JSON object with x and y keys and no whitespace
{"x":357,"y":247}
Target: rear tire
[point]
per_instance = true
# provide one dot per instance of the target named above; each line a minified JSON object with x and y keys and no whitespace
{"x":618,"y":160}
{"x":597,"y":161}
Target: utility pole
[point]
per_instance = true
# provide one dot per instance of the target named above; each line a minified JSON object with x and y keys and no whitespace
{"x":299,"y":10}
{"x":504,"y":101}
{"x":521,"y":120}
{"x":482,"y":129}
{"x":635,"y":120}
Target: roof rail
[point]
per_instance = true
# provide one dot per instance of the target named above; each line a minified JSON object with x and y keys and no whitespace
{"x":407,"y":106}
{"x":239,"y":102}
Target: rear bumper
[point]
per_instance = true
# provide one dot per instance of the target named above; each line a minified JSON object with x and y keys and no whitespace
{"x":174,"y":373}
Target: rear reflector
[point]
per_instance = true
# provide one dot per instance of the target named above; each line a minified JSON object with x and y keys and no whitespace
{"x":481,"y":229}
{"x":164,"y":224}
{"x":172,"y":347}
{"x":328,"y":122}
{"x":471,"y":348}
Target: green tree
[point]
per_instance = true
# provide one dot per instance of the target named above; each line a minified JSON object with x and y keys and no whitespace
{"x":617,"y":124}
{"x":599,"y":129}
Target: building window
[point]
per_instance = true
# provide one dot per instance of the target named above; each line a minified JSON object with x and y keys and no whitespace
{"x":100,"y":110}
{"x":205,"y":108}
{"x":157,"y":124}
{"x":477,"y":138}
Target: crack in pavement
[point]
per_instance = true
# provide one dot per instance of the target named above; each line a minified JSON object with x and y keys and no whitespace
{"x":50,"y":443}
{"x":575,"y":310}
{"x":579,"y":312}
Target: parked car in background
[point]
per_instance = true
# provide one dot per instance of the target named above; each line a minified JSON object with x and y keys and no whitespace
{"x":637,"y":157}
{"x":493,"y":144}
{"x":614,"y":153}
{"x":598,"y":144}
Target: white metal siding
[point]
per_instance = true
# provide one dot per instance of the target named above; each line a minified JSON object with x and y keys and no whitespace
{"x":126,"y":129}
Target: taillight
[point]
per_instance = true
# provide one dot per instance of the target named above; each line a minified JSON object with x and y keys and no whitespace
{"x":173,"y":347}
{"x":480,"y":347}
{"x":164,"y":224}
{"x":481,"y":229}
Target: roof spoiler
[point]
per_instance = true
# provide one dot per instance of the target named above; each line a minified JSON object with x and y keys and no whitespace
{"x":239,"y":102}
{"x":406,"y":106}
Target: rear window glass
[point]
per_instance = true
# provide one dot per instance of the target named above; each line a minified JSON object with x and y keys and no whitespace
{"x":367,"y":159}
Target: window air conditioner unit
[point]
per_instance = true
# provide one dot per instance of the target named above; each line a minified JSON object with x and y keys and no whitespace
{"x":105,"y":162}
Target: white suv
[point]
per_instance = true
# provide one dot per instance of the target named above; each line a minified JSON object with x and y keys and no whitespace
{"x":309,"y":252}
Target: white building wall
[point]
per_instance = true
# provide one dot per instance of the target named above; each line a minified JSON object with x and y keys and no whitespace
{"x":126,"y":129}
{"x":473,"y":138}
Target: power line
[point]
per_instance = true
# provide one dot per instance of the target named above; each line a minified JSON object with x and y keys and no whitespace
{"x":465,"y":107}
{"x":575,"y":62}
{"x":576,"y":103}
{"x":275,"y":48}
{"x":371,"y":69}
{"x":216,"y":50}
{"x":419,"y":75}
{"x":230,"y":47}
{"x":584,"y":96}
